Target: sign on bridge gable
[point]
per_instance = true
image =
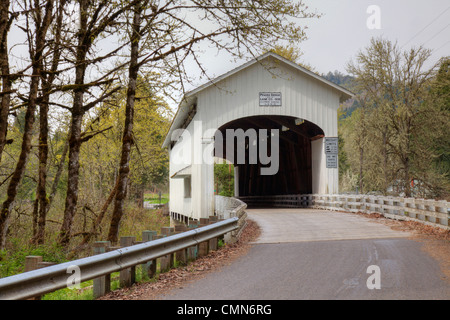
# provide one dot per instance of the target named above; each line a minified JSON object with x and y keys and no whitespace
{"x":270,"y":99}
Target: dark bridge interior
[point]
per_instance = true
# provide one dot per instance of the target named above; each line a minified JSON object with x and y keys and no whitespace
{"x":294,"y":175}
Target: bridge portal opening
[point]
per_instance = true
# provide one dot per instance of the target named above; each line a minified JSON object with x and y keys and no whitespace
{"x":294,"y":172}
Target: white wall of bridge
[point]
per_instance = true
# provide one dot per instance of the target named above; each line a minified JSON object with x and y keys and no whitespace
{"x":237,"y":96}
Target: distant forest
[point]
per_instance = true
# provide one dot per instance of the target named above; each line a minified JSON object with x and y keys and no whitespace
{"x":348,"y":82}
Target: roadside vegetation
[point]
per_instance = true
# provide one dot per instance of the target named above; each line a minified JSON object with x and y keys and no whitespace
{"x":85,"y":93}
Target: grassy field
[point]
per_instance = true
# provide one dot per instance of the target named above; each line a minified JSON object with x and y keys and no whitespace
{"x":154,"y":198}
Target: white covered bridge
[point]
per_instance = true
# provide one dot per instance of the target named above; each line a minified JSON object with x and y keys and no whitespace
{"x":271,"y":118}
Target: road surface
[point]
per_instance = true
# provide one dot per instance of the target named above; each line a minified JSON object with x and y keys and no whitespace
{"x":314,"y":254}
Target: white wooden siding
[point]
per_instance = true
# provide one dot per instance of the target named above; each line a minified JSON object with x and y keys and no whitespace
{"x":237,"y":96}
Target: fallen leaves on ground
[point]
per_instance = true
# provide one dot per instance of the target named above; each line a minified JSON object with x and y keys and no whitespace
{"x":418,"y":228}
{"x":180,"y":276}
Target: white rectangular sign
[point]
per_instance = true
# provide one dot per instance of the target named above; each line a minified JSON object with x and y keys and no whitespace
{"x":331,"y":146}
{"x":332,"y":161}
{"x":270,"y":99}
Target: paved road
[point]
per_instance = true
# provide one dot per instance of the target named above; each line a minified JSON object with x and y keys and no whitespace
{"x":313,"y":254}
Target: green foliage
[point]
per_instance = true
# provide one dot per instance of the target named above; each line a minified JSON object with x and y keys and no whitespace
{"x":154,"y":198}
{"x":149,"y":162}
{"x":396,"y":141}
{"x":291,"y":53}
{"x":84,"y":293}
{"x":343,"y":80}
{"x":434,"y":175}
{"x":12,"y":260}
{"x":224,"y":179}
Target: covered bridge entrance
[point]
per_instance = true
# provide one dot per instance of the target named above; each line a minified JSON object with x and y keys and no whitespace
{"x":294,"y":169}
{"x":269,"y":117}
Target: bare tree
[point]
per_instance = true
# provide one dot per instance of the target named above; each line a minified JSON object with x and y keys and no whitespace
{"x":95,"y":20}
{"x":169,"y":33}
{"x":6,"y":20}
{"x":396,"y":84}
{"x":48,"y":77}
{"x":42,"y":18}
{"x":127,"y":141}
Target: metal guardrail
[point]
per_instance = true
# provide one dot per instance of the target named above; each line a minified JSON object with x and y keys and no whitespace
{"x":49,"y":279}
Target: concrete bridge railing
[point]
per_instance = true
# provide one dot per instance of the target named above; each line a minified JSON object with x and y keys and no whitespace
{"x":227,"y":208}
{"x":428,"y":211}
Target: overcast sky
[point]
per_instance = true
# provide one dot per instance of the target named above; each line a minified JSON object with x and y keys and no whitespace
{"x":342,"y":31}
{"x":336,"y":37}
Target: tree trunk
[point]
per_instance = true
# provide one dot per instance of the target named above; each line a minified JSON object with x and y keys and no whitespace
{"x":385,"y":164}
{"x":6,"y":82}
{"x":128,"y":129}
{"x":21,"y":163}
{"x":41,"y":31}
{"x":75,"y":126}
{"x":73,"y":171}
{"x":41,"y":192}
{"x":407,"y":162}
{"x":42,"y":202}
{"x":90,"y":28}
{"x":88,"y":235}
{"x":361,"y":160}
{"x":58,"y":174}
{"x":40,"y":215}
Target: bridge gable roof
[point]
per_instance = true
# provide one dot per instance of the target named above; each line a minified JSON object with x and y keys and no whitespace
{"x":190,"y":97}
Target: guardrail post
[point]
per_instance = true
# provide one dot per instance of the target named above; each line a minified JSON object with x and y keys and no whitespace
{"x":213,"y":243}
{"x":31,"y":263}
{"x":203,"y":247}
{"x":167,"y":231}
{"x":408,"y":204}
{"x":192,"y":251}
{"x":128,"y":275}
{"x":102,"y":285}
{"x":363,"y":206}
{"x":181,"y":255}
{"x":149,"y":268}
{"x":164,"y":261}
